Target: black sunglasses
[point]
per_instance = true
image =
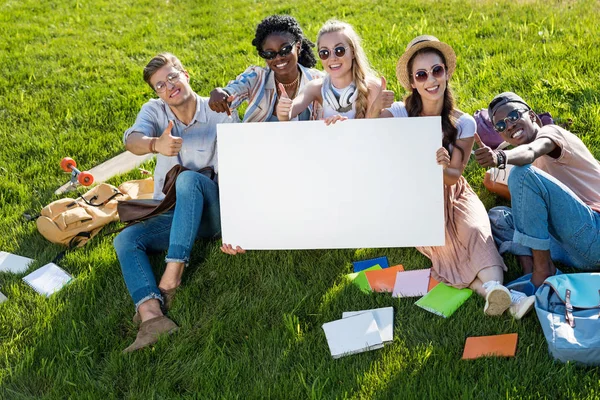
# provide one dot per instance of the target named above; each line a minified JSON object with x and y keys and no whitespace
{"x":339,"y":52}
{"x":512,"y":116}
{"x":284,"y":51}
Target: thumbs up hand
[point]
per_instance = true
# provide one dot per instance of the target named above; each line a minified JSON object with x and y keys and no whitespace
{"x":387,"y":96}
{"x":484,"y":155}
{"x":284,"y":105}
{"x":167,"y":144}
{"x":384,"y":99}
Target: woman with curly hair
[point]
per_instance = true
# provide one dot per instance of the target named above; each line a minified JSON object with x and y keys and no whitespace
{"x":288,"y":54}
{"x":350,"y":87}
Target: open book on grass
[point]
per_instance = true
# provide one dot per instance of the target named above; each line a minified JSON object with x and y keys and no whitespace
{"x":384,"y":318}
{"x":353,"y":335}
{"x":48,"y":279}
{"x":13,"y":263}
{"x":444,"y":300}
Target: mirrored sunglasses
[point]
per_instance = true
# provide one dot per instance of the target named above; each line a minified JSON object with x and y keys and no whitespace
{"x":512,"y":116}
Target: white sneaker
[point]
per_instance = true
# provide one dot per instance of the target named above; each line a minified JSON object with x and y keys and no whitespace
{"x":521,"y":304}
{"x":497,"y":298}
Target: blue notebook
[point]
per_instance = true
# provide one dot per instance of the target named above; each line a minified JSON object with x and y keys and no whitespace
{"x":364,"y":264}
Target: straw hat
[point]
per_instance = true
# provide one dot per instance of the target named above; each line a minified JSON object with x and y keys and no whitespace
{"x":418,"y":43}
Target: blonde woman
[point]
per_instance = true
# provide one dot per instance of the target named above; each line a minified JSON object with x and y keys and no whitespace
{"x":350,"y":87}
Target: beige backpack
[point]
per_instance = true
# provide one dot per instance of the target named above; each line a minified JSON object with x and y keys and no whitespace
{"x":73,"y":222}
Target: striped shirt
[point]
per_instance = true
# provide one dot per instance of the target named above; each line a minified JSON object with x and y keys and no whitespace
{"x":257,"y":86}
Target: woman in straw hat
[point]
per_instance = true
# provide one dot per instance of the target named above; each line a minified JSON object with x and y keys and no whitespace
{"x":469,"y":258}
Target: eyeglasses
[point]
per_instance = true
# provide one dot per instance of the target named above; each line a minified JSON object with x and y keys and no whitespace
{"x":339,"y":52}
{"x":512,"y":116}
{"x":437,"y":71}
{"x":284,"y":51}
{"x":172,"y":78}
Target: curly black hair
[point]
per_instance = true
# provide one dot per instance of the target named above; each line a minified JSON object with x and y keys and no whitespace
{"x":285,"y":24}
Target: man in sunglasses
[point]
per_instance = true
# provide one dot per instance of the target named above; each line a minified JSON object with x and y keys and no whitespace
{"x":555,"y":194}
{"x":181,"y":129}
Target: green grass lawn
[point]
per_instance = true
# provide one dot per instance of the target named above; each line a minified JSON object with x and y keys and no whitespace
{"x":71,"y":83}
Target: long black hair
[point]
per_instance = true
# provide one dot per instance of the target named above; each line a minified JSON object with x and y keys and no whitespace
{"x":285,"y":24}
{"x":414,"y":104}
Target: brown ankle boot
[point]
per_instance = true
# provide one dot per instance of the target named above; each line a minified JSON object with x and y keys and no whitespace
{"x":149,"y":332}
{"x":167,"y":295}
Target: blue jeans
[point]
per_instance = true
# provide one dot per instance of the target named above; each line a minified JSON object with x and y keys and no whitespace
{"x":196,"y":214}
{"x":546,"y":215}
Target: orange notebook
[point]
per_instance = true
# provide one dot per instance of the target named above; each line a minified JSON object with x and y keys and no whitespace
{"x":432,"y":283}
{"x":496,"y":345}
{"x":383,"y":280}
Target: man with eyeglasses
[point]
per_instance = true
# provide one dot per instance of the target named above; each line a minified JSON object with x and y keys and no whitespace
{"x":181,"y":129}
{"x":555,"y":194}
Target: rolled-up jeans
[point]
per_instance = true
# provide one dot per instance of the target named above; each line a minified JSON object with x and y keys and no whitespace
{"x":196,"y":215}
{"x":546,"y":215}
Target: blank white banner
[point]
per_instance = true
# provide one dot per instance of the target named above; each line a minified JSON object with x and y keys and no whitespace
{"x":355,"y":184}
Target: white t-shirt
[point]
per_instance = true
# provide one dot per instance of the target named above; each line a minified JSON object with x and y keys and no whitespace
{"x":465,"y":125}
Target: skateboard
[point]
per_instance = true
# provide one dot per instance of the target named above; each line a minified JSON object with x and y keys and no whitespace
{"x":83,"y":177}
{"x":119,"y":164}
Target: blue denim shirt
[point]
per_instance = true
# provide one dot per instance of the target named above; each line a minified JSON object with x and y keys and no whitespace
{"x":199,"y":147}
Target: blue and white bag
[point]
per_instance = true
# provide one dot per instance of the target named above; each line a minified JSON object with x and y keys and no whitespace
{"x":568,"y":308}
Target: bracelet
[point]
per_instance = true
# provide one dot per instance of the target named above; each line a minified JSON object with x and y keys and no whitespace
{"x":152,"y":145}
{"x":501,"y":156}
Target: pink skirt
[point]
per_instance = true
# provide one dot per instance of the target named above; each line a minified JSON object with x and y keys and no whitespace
{"x":469,"y":244}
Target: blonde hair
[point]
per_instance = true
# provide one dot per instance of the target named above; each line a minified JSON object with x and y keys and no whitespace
{"x":361,"y":68}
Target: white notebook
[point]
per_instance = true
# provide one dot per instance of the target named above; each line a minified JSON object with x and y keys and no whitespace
{"x":13,"y":263}
{"x":2,"y":298}
{"x":353,"y":335}
{"x":384,"y":318}
{"x":48,"y":279}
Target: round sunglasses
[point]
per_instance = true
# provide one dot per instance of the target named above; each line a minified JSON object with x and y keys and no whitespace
{"x":284,"y":51}
{"x":512,"y":116}
{"x":339,"y":52}
{"x":437,"y":71}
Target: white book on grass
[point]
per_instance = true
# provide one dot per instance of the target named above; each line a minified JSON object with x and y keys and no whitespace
{"x":352,"y":335}
{"x":384,"y":318}
{"x":48,"y":279}
{"x":2,"y":297}
{"x":13,"y":263}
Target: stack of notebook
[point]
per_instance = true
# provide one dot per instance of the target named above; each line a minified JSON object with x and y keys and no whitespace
{"x":360,"y":331}
{"x":375,"y":275}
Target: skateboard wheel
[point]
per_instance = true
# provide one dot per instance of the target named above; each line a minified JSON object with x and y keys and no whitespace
{"x":67,"y":164}
{"x":85,"y":178}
